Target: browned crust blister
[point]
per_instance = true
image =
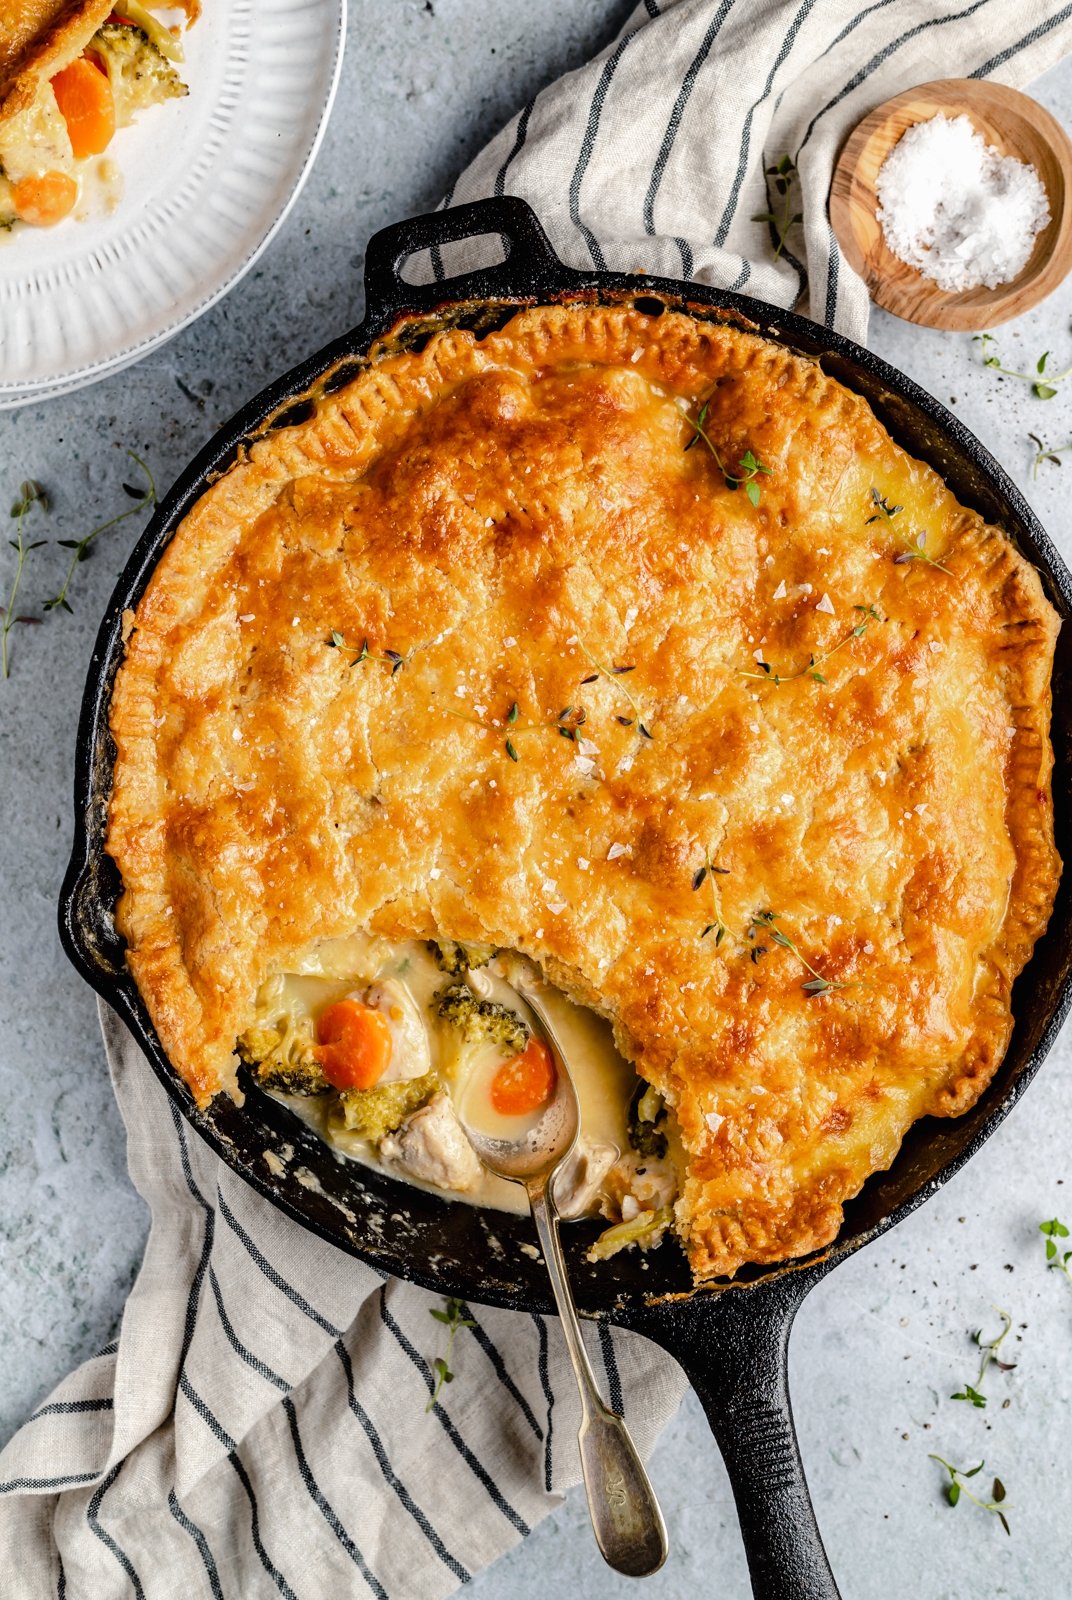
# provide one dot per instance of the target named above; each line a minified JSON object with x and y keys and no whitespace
{"x":500,"y":512}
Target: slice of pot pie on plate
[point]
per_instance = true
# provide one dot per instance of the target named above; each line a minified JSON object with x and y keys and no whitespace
{"x":630,"y":648}
{"x":70,"y":75}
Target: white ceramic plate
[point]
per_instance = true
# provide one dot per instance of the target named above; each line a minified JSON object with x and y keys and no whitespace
{"x":207,"y":181}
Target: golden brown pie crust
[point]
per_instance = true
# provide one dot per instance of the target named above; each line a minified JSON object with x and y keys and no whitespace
{"x":40,"y":38}
{"x":502,"y":513}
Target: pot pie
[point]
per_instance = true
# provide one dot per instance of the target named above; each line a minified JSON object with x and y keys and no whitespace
{"x":627,"y":647}
{"x":71,"y":73}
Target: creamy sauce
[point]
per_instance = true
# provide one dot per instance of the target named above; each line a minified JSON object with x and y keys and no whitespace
{"x":603,"y":1079}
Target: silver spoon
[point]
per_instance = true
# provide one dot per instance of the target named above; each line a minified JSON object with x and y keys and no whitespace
{"x":626,"y":1519}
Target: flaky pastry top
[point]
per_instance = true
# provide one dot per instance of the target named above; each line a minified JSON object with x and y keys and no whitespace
{"x":797,"y":852}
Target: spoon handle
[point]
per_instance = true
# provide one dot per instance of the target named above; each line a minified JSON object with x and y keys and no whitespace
{"x":626,"y":1519}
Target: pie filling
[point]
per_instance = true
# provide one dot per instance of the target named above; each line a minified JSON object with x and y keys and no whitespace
{"x":52,"y":161}
{"x":386,"y":1047}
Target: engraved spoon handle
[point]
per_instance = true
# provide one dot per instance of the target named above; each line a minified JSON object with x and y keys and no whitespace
{"x":626,"y":1519}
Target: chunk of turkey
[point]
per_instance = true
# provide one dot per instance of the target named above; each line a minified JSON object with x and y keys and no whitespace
{"x":431,"y":1146}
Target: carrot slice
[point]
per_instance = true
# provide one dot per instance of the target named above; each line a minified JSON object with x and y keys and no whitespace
{"x":85,"y":98}
{"x":354,"y":1044}
{"x":44,"y":200}
{"x":525,"y":1082}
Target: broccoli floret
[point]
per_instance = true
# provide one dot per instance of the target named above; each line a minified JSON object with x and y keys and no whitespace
{"x":646,"y":1111}
{"x":139,"y":73}
{"x":282,"y":1059}
{"x":481,"y":1021}
{"x":454,"y":957}
{"x":374,"y":1113}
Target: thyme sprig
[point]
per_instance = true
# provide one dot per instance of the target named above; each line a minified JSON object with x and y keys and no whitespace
{"x":30,"y":494}
{"x":762,"y":924}
{"x":453,"y":1318}
{"x":1043,"y":384}
{"x":1045,"y":452}
{"x":958,"y":1485}
{"x":81,"y":548}
{"x":767,"y":673}
{"x":973,"y":1393}
{"x":390,"y":658}
{"x":614,"y":675}
{"x":915,"y":547}
{"x":751,"y":467}
{"x":1055,"y":1257}
{"x":568,"y":724}
{"x":781,"y":175}
{"x":709,"y":872}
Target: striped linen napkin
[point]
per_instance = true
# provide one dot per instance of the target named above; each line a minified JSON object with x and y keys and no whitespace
{"x":259,"y":1429}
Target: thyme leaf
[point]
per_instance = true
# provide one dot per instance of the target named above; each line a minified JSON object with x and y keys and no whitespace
{"x":1043,"y":384}
{"x":1045,"y":452}
{"x":388,"y":658}
{"x":1055,"y":1257}
{"x":763,"y":922}
{"x":453,"y":1317}
{"x":614,"y":674}
{"x":767,"y":673}
{"x":708,"y":873}
{"x":973,"y":1393}
{"x":958,"y":1485}
{"x":915,"y":548}
{"x":30,"y":494}
{"x":751,"y":467}
{"x":81,"y":548}
{"x":781,"y":175}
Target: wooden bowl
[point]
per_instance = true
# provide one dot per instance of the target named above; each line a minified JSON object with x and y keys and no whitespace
{"x":1017,"y":126}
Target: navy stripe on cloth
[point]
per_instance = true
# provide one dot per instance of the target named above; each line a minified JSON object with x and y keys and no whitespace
{"x":391,"y":1476}
{"x":93,"y":1518}
{"x":595,"y":111}
{"x":548,"y":1394}
{"x":253,"y":1362}
{"x":208,"y":1417}
{"x":201,"y":1542}
{"x":255,"y":1531}
{"x":61,"y":1579}
{"x":494,"y":1492}
{"x":883,"y":55}
{"x":492,"y":1353}
{"x":67,"y":1481}
{"x":270,"y":1273}
{"x":519,"y":143}
{"x":741,"y":279}
{"x":69,"y":1408}
{"x":325,"y":1508}
{"x":730,"y":210}
{"x":610,"y":1367}
{"x":683,"y":96}
{"x":834,"y":263}
{"x":1039,"y":31}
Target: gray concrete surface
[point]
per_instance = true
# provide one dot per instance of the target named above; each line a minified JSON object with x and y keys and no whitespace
{"x":883,"y":1343}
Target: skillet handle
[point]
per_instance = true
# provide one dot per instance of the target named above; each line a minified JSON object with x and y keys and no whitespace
{"x":387,"y":294}
{"x":734,"y":1347}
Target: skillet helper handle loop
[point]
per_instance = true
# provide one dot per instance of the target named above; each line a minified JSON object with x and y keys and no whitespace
{"x":626,"y":1519}
{"x":735,"y":1354}
{"x":387,"y":293}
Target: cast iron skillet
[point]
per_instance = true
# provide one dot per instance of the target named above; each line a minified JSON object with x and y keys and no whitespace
{"x":731,"y":1339}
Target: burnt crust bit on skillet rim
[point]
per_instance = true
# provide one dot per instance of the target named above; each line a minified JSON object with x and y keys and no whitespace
{"x":396,"y":435}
